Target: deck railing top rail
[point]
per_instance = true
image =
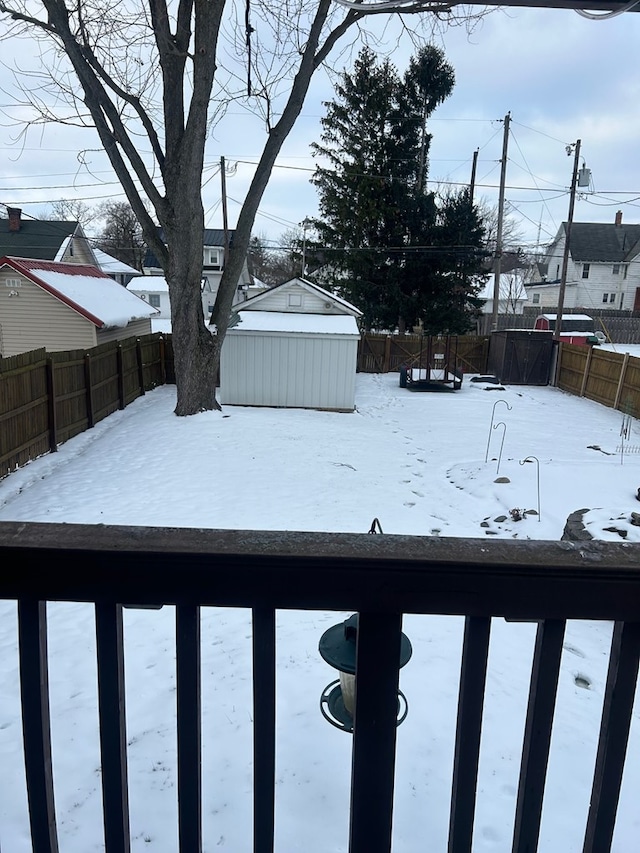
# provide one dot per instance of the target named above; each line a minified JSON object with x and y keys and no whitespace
{"x":410,"y":574}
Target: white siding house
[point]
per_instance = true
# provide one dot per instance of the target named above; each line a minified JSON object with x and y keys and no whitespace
{"x":603,"y":269}
{"x":154,"y":290}
{"x":62,"y":306}
{"x":512,"y":294}
{"x":294,"y":346}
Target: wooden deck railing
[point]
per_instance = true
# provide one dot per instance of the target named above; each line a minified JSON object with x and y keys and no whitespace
{"x":382,"y":577}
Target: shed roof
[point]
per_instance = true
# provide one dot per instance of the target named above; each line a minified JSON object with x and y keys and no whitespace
{"x":301,"y":324}
{"x":149,"y":284}
{"x":113,"y":266}
{"x":85,"y":289}
{"x":260,"y":301}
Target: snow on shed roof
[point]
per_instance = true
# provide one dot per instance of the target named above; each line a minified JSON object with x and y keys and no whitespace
{"x":313,"y":324}
{"x":568,"y":317}
{"x":149,"y":284}
{"x":86,"y":290}
{"x":111,"y":265}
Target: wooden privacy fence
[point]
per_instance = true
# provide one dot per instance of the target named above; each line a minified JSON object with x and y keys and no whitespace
{"x":610,"y":378}
{"x":387,"y":353}
{"x":47,"y":398}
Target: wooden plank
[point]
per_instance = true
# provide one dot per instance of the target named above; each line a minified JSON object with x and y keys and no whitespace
{"x":614,"y":735}
{"x":264,"y":728}
{"x":335,"y":571}
{"x":475,"y":652}
{"x":537,"y":734}
{"x":34,"y":689}
{"x":88,"y":390}
{"x":121,"y":392}
{"x":51,"y":405}
{"x":623,"y":370}
{"x":25,"y":446}
{"x":113,"y":735}
{"x":374,"y":735}
{"x":189,"y":728}
{"x":140,"y":366}
{"x":585,"y":374}
{"x":21,"y":410}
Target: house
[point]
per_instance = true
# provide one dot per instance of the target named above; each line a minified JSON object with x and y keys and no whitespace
{"x":294,"y":345}
{"x":114,"y":268}
{"x":154,"y":290}
{"x":603,"y":269}
{"x":45,"y":240}
{"x":64,"y":306}
{"x":212,"y":267}
{"x":512,"y":295}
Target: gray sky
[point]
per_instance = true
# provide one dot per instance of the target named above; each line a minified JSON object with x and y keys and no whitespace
{"x":562,"y":78}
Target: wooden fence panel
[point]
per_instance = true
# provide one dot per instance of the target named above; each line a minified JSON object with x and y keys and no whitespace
{"x":388,"y":353}
{"x":47,"y":398}
{"x":24,"y":415}
{"x":610,"y":378}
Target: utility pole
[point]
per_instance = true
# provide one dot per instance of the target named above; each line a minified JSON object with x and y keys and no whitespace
{"x":474,"y":166}
{"x":567,"y":239}
{"x":225,"y":220}
{"x":497,"y":267}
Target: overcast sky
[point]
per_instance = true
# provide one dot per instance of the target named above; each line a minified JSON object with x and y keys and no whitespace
{"x":560,"y":76}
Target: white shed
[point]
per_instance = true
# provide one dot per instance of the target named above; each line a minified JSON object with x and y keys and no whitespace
{"x":295,"y":346}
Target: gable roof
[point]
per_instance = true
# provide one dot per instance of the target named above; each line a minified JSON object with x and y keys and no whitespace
{"x":603,"y":241}
{"x":253,"y":301}
{"x":84,"y":289}
{"x":36,"y":238}
{"x":213,"y":238}
{"x":113,"y":266}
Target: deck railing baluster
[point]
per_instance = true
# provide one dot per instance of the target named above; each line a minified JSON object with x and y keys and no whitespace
{"x":113,"y":733}
{"x":545,"y":672}
{"x":264,"y":728}
{"x":374,"y":735}
{"x":34,"y":688}
{"x":475,"y":652}
{"x":189,"y":726}
{"x":614,"y":735}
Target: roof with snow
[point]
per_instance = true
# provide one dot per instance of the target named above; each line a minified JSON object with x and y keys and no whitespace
{"x":149,"y":284}
{"x":85,"y":289}
{"x":511,"y":287}
{"x":113,"y":266}
{"x":302,"y":324}
{"x":254,"y":302}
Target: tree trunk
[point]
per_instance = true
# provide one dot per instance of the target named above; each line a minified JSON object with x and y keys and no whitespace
{"x":197,"y":358}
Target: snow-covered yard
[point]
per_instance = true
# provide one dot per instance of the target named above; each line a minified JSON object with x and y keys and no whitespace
{"x":415,"y":461}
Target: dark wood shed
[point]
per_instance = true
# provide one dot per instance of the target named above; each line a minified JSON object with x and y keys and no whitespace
{"x":521,"y":356}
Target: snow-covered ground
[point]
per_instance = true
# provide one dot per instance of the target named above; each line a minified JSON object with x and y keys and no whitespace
{"x":415,"y":461}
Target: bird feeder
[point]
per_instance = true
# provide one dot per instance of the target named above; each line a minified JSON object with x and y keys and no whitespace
{"x":338,"y":648}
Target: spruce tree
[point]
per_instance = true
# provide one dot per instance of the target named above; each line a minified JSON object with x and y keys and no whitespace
{"x":381,"y":227}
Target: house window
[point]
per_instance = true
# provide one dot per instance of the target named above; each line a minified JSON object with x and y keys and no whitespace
{"x":13,"y":282}
{"x":295,"y":300}
{"x":585,"y":270}
{"x":212,"y":258}
{"x":154,"y":300}
{"x":605,"y":297}
{"x":536,"y":299}
{"x":615,"y":270}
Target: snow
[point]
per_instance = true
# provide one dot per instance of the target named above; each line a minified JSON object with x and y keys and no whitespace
{"x":149,"y":284}
{"x":94,"y":292}
{"x":417,"y":462}
{"x":283,"y":321}
{"x":111,"y":265}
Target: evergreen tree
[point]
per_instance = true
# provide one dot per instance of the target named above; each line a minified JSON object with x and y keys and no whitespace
{"x":386,"y":235}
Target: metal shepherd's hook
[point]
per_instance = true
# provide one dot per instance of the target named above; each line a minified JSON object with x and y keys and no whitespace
{"x":504,"y":432}
{"x":493,"y":412}
{"x":537,"y":461}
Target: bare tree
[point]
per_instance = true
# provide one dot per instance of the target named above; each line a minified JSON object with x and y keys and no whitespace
{"x":158,"y":72}
{"x":121,"y":235}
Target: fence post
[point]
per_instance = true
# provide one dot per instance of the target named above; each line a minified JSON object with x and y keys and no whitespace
{"x":120,"y":376}
{"x":623,"y":370}
{"x":88,"y":390}
{"x":163,"y":366}
{"x":51,"y":406}
{"x":387,"y":355}
{"x":585,"y":375}
{"x":140,"y":366}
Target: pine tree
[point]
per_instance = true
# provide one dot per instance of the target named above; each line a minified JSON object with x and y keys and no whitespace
{"x":385,"y":236}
